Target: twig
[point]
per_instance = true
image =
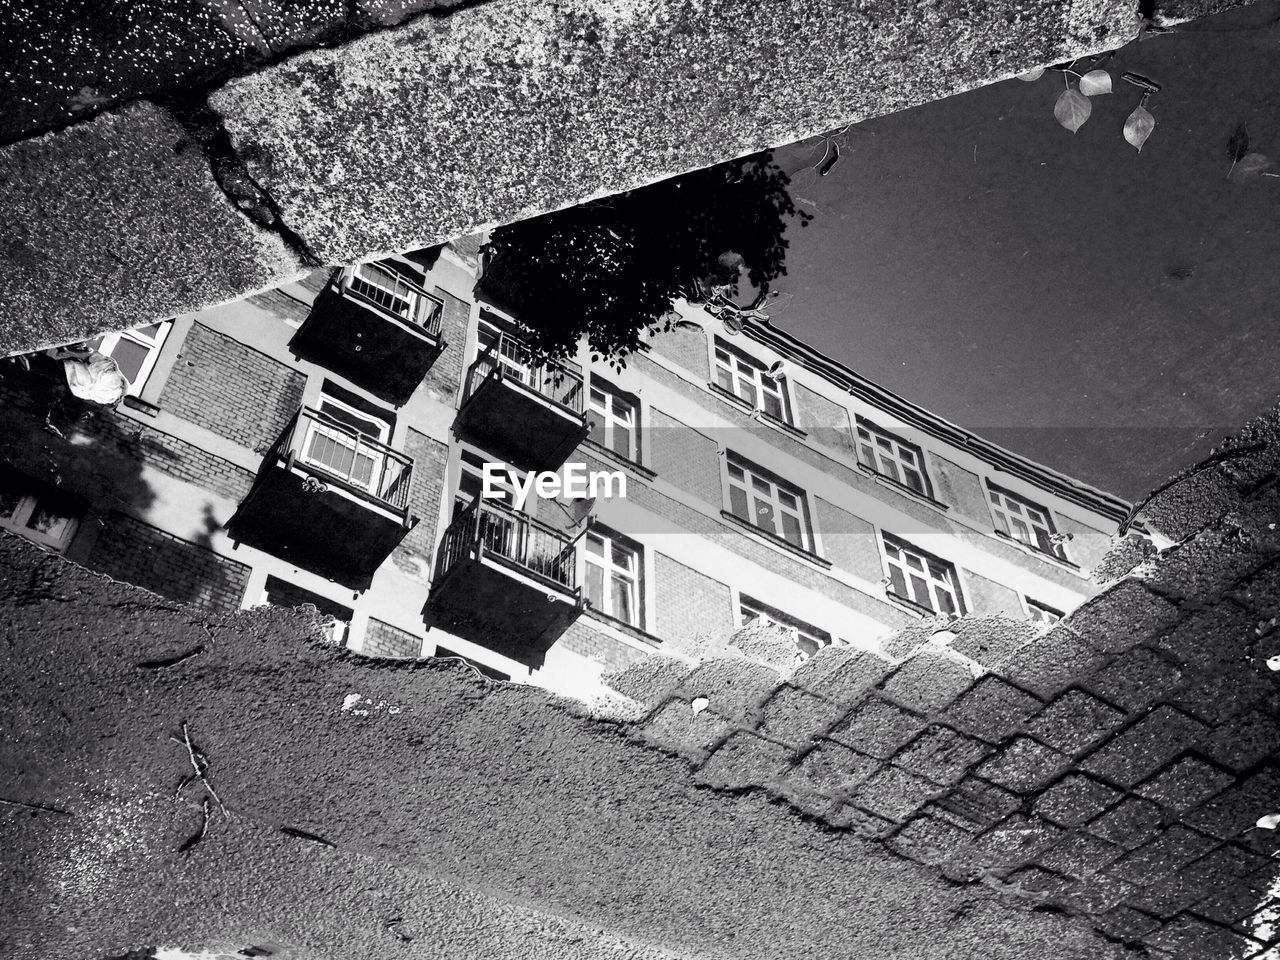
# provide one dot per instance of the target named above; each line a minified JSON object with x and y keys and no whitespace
{"x":199,"y":764}
{"x":36,"y":806}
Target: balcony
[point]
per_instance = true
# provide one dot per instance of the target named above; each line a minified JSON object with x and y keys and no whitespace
{"x":505,"y":581}
{"x":329,"y":499}
{"x":529,"y":415}
{"x":375,"y":328}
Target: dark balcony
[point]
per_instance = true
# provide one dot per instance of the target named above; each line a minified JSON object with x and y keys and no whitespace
{"x":376,"y":328}
{"x":329,"y":499}
{"x":505,"y":581}
{"x":529,"y":415}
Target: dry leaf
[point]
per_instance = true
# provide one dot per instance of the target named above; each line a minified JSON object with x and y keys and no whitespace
{"x":1138,"y":127}
{"x":1269,"y":822}
{"x":1032,"y":75}
{"x":1072,"y":109}
{"x":1095,"y":82}
{"x":1238,"y":145}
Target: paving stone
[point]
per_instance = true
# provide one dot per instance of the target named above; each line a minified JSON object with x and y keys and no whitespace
{"x":1023,"y":766}
{"x":1075,"y":721}
{"x":677,"y":728}
{"x":993,"y":709}
{"x":1135,"y":680}
{"x":1137,"y":752}
{"x":930,"y":840}
{"x":1131,"y":822}
{"x":1209,"y":638}
{"x":975,"y":805}
{"x":990,"y":641}
{"x":1194,"y":938}
{"x":651,"y":680}
{"x":1038,"y":882}
{"x":928,"y":681}
{"x":1261,"y":592}
{"x":1075,"y":799}
{"x":1204,"y":567}
{"x":1238,"y":807}
{"x":1264,"y":922}
{"x":1172,"y":848}
{"x":1168,"y":896}
{"x":744,"y":760}
{"x":1019,"y":838}
{"x":1228,"y":864}
{"x":1098,"y":893}
{"x":877,"y":727}
{"x":1079,"y":855}
{"x":1218,"y":695}
{"x":842,"y":674}
{"x":1122,"y":617}
{"x":834,"y":768}
{"x":941,"y":754}
{"x":1184,"y":784}
{"x":894,"y":793}
{"x":861,"y":822}
{"x":794,"y":716}
{"x":1126,"y":923}
{"x":1052,"y":662}
{"x":913,"y":636}
{"x":1244,"y":740}
{"x":734,"y":686}
{"x":1232,"y":903}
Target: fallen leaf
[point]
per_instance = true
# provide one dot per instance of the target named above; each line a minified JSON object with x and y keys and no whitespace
{"x":699,"y":704}
{"x":1238,"y":145}
{"x":1138,"y":127}
{"x":1095,"y":82}
{"x":1032,"y":75}
{"x":1072,"y":109}
{"x":1274,"y":663}
{"x":1269,"y":822}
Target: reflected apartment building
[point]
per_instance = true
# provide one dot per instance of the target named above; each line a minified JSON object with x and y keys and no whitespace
{"x":325,"y":443}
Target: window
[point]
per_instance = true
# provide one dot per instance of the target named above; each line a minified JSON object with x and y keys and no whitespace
{"x":1042,"y":614}
{"x":36,"y":515}
{"x":764,"y":501}
{"x":809,"y":639}
{"x":748,"y":380}
{"x":613,"y":573}
{"x":347,"y":442}
{"x":512,"y":354}
{"x":892,"y":457}
{"x":281,"y":593}
{"x":614,"y":421}
{"x":1023,"y":521}
{"x":134,"y":351}
{"x":921,"y":578}
{"x":471,"y":483}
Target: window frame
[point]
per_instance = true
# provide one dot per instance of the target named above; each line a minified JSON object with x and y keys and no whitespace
{"x":754,"y":472}
{"x":769,"y":615}
{"x":614,"y":396}
{"x":108,"y":342}
{"x":465,"y":468}
{"x":928,"y":561}
{"x":636,"y":575}
{"x":377,"y":458}
{"x":1052,"y":612}
{"x":876,"y":436}
{"x":29,"y":498}
{"x":741,"y":363}
{"x":1000,"y":512}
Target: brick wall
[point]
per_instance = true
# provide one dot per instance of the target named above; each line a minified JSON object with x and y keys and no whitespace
{"x":384,"y":640}
{"x":685,"y":458}
{"x":588,"y":642}
{"x":282,"y":305}
{"x":132,"y":551}
{"x":686,"y":348}
{"x":233,"y":390}
{"x":824,"y":420}
{"x":1112,"y":768}
{"x":414,"y":553}
{"x":446,"y":373}
{"x":695,"y":611}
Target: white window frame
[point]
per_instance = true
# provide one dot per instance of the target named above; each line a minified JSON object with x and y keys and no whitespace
{"x":315,"y":428}
{"x":1008,"y":509}
{"x":519,"y":370}
{"x":611,"y":572}
{"x":889,"y":456}
{"x":744,"y":372}
{"x":107,"y":343}
{"x":926,"y":572}
{"x":1051,"y":614}
{"x":753,"y":474}
{"x":28,"y":504}
{"x":795,"y":627}
{"x":610,"y":418}
{"x":465,"y":469}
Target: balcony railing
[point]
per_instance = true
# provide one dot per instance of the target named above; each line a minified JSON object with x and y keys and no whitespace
{"x":509,"y":358}
{"x":393,"y":294}
{"x":514,"y":538}
{"x":338,"y":454}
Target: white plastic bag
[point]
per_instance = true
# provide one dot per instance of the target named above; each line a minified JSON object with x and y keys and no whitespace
{"x":97,"y":378}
